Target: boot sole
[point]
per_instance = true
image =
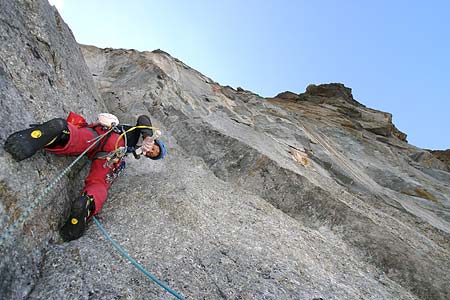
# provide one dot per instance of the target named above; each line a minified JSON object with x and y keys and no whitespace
{"x":25,"y":143}
{"x":75,"y":225}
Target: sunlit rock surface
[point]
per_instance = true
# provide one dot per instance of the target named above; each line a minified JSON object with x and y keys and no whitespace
{"x":299,"y":196}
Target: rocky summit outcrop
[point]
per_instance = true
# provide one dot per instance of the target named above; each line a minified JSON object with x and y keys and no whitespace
{"x":442,"y":155}
{"x":351,"y":112}
{"x":299,"y":196}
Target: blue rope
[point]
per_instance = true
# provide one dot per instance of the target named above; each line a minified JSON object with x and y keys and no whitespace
{"x":136,"y":264}
{"x":8,"y":232}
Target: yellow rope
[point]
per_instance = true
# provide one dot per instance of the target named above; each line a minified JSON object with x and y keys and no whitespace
{"x":131,"y":129}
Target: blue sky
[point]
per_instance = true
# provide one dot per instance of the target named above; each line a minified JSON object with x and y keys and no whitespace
{"x":395,"y":55}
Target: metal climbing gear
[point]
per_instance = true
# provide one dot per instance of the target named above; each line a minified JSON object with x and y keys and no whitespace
{"x":115,"y":160}
{"x":7,"y":233}
{"x":115,"y":170}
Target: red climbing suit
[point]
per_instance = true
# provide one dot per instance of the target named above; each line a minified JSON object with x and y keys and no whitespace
{"x":95,"y":182}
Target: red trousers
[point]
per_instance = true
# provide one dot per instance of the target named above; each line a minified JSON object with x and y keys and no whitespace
{"x":95,"y":182}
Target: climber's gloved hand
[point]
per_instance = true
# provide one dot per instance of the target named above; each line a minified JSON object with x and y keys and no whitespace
{"x":147,"y":145}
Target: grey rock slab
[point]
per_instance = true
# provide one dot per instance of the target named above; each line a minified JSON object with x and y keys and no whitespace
{"x":299,"y":196}
{"x":42,"y":76}
{"x":245,"y":140}
{"x":213,"y":243}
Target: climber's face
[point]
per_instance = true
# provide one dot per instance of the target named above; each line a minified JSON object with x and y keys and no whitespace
{"x":154,"y":151}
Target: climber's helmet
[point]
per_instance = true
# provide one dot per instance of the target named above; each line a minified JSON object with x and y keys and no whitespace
{"x":158,"y":150}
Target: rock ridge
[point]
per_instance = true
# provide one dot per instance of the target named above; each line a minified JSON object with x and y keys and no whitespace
{"x":339,"y":99}
{"x":293,"y":197}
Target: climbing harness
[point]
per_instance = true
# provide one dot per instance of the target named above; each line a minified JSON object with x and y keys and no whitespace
{"x":115,"y":160}
{"x":7,"y":233}
{"x":119,"y":152}
{"x":135,"y":263}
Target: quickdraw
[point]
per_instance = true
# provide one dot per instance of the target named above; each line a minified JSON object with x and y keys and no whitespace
{"x":115,"y":160}
{"x":115,"y":171}
{"x":112,"y":157}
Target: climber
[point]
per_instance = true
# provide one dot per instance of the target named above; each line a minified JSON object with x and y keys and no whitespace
{"x":72,"y":137}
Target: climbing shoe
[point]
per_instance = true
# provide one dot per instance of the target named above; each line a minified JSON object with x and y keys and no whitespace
{"x":23,"y":144}
{"x":80,"y":211}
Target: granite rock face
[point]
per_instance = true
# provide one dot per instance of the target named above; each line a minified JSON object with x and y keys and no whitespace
{"x":334,"y":166}
{"x":42,"y":75}
{"x":299,"y":196}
